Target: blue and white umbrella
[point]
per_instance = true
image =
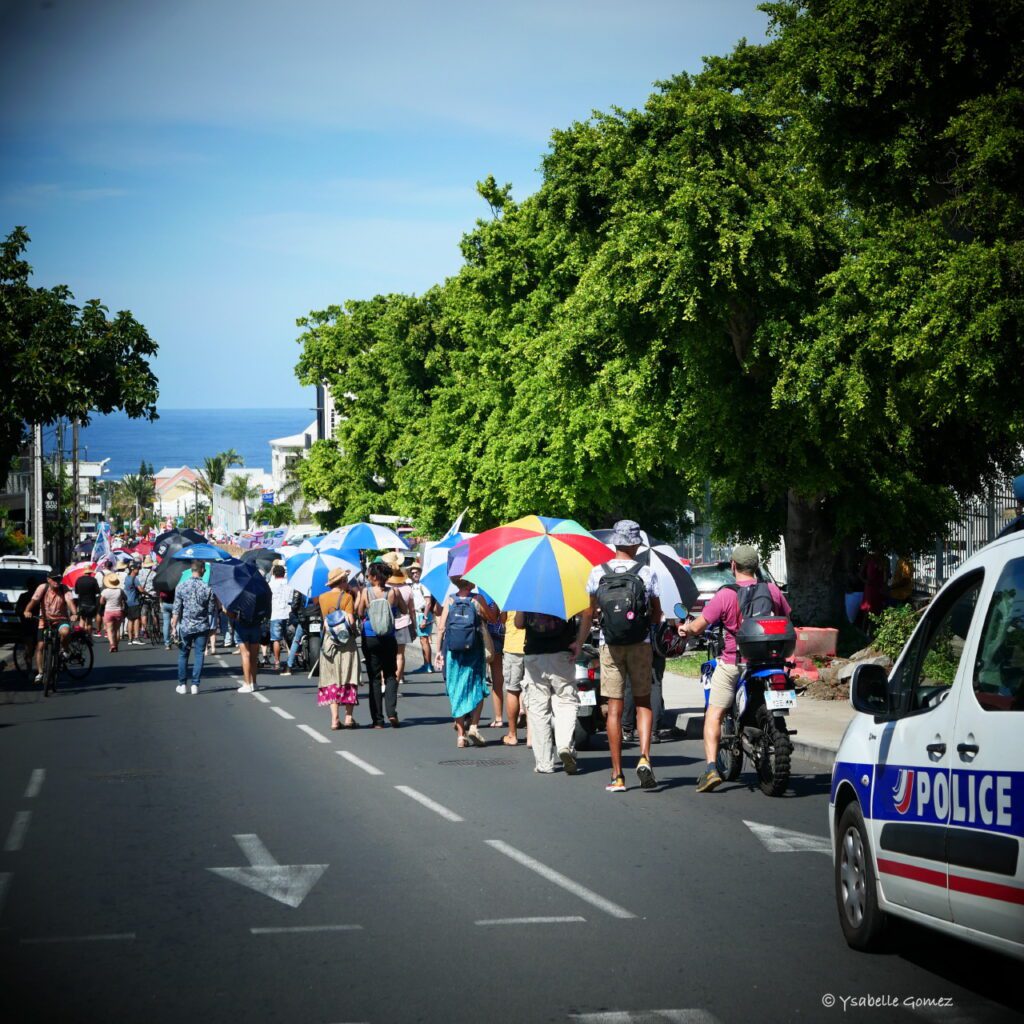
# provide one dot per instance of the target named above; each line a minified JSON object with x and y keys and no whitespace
{"x":307,"y":572}
{"x":204,"y":553}
{"x":435,"y":565}
{"x":364,"y":536}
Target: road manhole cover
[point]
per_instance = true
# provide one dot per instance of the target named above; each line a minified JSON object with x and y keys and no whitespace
{"x":484,"y":762}
{"x":126,"y":775}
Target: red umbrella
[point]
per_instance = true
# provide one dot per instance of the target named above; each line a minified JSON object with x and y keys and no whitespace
{"x":76,"y":571}
{"x":144,"y":547}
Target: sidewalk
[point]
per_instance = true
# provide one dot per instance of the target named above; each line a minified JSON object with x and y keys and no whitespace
{"x":819,"y":724}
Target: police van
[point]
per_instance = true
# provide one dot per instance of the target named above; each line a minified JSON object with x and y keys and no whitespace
{"x":926,"y":811}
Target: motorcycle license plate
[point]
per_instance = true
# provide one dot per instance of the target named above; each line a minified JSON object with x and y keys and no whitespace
{"x":314,"y":627}
{"x":588,"y":698}
{"x":780,"y":700}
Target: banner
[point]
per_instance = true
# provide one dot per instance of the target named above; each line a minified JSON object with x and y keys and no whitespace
{"x":101,"y":549}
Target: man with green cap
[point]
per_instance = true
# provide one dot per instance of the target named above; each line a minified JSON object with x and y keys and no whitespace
{"x":724,"y":607}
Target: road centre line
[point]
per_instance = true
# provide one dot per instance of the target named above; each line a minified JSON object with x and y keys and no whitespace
{"x":282,"y":713}
{"x":16,"y":837}
{"x":261,"y":698}
{"x":360,"y":763}
{"x":298,"y":929}
{"x":533,"y":920}
{"x":310,"y":731}
{"x":119,"y":937}
{"x":588,"y":895}
{"x":428,"y":803}
{"x":35,"y":783}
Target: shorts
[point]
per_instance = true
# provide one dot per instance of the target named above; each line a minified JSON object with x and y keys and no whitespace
{"x":247,"y":633}
{"x":424,"y":625}
{"x":513,"y":667}
{"x":621,"y":660}
{"x":114,"y":617}
{"x":498,"y":640}
{"x":133,"y":612}
{"x":277,"y":628}
{"x":87,"y":611}
{"x":404,"y":635}
{"x":723,"y":685}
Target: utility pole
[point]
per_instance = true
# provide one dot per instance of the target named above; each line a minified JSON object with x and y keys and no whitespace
{"x":37,"y":490}
{"x":60,"y":560}
{"x":76,"y":529}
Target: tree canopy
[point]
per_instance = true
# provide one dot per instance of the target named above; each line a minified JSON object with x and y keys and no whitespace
{"x":796,"y":275}
{"x":62,"y":360}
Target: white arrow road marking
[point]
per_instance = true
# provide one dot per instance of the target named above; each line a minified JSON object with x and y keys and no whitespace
{"x":558,"y":878}
{"x":287,"y":883}
{"x":35,"y":783}
{"x":784,"y":840}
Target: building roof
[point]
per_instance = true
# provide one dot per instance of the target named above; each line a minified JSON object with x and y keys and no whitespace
{"x":294,"y":440}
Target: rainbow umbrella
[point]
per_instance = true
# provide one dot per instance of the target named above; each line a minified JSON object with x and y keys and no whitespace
{"x":535,"y":564}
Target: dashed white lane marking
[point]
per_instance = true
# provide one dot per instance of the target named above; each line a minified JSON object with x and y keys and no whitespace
{"x":5,"y":884}
{"x":298,"y":929}
{"x":310,"y":731}
{"x":428,"y":803}
{"x":118,"y":937}
{"x":694,"y":1016}
{"x":534,"y":920}
{"x":588,"y":895}
{"x":360,"y":763}
{"x":282,"y":713}
{"x":35,"y":783}
{"x":16,"y":837}
{"x":261,"y":698}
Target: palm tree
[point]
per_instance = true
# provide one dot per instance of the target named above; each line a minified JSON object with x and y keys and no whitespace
{"x":215,"y":468}
{"x":275,"y":515}
{"x":290,"y":492}
{"x":134,"y":493}
{"x":239,"y":489}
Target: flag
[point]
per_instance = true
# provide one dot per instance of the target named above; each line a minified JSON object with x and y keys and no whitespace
{"x":455,"y":527}
{"x":101,"y":548}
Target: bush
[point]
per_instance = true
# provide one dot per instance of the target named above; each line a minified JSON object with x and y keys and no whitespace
{"x":892,"y":629}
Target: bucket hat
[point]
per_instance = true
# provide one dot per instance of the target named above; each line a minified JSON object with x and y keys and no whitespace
{"x":626,"y":534}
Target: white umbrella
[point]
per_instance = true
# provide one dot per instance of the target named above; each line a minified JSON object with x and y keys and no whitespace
{"x":363,"y":536}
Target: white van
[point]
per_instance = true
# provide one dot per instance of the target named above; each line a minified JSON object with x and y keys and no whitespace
{"x":927,"y":806}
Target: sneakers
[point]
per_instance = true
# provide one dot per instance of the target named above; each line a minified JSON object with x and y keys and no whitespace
{"x":645,"y":774}
{"x":136,"y":643}
{"x":167,"y":647}
{"x":195,"y":689}
{"x":617,"y":785}
{"x":568,"y":759}
{"x":181,"y":688}
{"x":245,"y":688}
{"x":544,"y":771}
{"x":709,"y":780}
{"x":38,"y":678}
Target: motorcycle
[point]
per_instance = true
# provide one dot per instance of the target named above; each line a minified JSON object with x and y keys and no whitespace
{"x":755,"y":726}
{"x":590,"y":715}
{"x":308,"y":655}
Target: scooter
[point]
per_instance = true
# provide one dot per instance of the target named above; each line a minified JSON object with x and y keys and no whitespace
{"x":590,"y":716}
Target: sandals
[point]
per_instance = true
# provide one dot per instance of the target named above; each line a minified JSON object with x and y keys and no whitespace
{"x":510,"y":741}
{"x":336,"y":725}
{"x":476,"y":739}
{"x":496,"y":723}
{"x":462,"y":742}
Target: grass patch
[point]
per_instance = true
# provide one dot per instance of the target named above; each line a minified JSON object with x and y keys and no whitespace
{"x":688,"y":665}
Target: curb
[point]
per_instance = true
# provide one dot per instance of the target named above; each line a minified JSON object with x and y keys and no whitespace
{"x":690,"y":726}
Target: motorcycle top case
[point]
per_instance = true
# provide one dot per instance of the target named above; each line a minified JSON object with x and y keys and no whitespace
{"x":764,"y":639}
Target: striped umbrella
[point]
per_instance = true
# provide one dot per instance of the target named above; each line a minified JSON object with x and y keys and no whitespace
{"x":364,"y":536}
{"x":308,"y":572}
{"x":536,"y":564}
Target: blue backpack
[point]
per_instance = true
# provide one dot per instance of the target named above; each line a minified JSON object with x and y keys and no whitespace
{"x":460,"y":629}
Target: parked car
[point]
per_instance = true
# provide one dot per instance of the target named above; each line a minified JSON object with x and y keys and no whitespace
{"x":19,"y":575}
{"x":926,"y":811}
{"x":710,"y":577}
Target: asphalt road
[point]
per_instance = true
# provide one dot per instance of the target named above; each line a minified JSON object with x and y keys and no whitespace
{"x":118,"y":796}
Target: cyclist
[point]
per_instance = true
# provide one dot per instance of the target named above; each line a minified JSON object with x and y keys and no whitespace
{"x":56,"y":608}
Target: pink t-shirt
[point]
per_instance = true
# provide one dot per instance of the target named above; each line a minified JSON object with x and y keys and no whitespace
{"x":724,"y":607}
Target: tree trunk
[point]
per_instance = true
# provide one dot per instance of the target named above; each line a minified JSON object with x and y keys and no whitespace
{"x":813,"y":567}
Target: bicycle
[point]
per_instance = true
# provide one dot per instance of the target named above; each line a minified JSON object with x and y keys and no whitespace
{"x":76,"y":661}
{"x":153,"y":615}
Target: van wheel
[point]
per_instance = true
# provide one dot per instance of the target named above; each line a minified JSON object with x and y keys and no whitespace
{"x":856,"y":887}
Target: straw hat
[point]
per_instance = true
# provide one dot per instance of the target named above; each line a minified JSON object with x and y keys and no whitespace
{"x":415,"y":565}
{"x":112,"y":579}
{"x":392,"y":558}
{"x":147,"y":562}
{"x":336,"y":576}
{"x":397,"y":578}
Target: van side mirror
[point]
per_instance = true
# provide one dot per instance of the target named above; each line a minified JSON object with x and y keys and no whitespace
{"x":869,"y":690}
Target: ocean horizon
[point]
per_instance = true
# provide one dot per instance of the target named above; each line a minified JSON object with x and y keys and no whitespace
{"x":182,"y":437}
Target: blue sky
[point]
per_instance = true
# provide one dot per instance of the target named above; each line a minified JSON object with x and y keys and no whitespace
{"x":220,"y":168}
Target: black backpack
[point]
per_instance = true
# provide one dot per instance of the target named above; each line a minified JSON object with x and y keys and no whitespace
{"x":754,"y":601}
{"x":622,"y":599}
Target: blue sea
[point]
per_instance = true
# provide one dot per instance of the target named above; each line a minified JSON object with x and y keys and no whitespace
{"x":184,"y":437}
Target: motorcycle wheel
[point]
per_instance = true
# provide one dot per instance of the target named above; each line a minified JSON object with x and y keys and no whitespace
{"x":730,"y":758}
{"x":776,"y":749}
{"x":24,"y":652}
{"x":583,"y":734}
{"x":314,"y":653}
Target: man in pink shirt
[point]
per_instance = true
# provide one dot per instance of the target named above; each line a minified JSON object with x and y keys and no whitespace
{"x":724,"y":608}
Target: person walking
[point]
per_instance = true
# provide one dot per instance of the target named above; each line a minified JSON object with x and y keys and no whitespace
{"x":166,"y":598}
{"x":513,"y":669}
{"x":495,"y":627}
{"x":626,"y":593}
{"x":375,"y":607}
{"x":463,"y":657}
{"x":87,"y":593}
{"x":194,"y":607}
{"x":404,"y":619}
{"x":280,"y":609}
{"x":247,"y":633}
{"x":112,"y":602}
{"x":423,"y":610}
{"x":132,"y":603}
{"x":550,"y":695}
{"x":339,"y":656}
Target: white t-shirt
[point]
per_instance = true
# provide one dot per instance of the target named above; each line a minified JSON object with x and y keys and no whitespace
{"x":420,"y":597}
{"x":280,"y":598}
{"x":621,"y":565}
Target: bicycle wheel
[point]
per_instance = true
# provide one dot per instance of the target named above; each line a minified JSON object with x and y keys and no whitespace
{"x":78,"y":658}
{"x":24,"y":653}
{"x":51,"y":663}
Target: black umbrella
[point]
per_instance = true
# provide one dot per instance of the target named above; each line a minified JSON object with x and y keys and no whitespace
{"x":169,"y":573}
{"x":263,"y":557}
{"x":241,"y":588}
{"x":174,"y":540}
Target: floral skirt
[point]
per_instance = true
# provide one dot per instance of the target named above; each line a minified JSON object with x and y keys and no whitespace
{"x":335,"y":694}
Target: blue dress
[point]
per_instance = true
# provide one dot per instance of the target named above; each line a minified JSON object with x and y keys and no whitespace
{"x":465,"y":678}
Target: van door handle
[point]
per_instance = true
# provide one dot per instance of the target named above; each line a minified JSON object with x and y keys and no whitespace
{"x":938,"y":749}
{"x":967,"y":748}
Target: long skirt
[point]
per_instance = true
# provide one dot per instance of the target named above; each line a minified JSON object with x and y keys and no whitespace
{"x":339,"y":668}
{"x":465,"y":679}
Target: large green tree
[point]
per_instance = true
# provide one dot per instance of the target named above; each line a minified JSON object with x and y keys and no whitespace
{"x":62,"y":360}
